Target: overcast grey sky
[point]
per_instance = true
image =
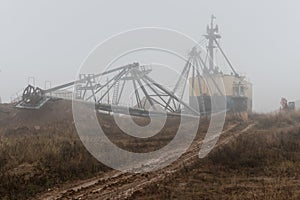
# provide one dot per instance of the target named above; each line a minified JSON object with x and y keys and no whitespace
{"x":50,"y":39}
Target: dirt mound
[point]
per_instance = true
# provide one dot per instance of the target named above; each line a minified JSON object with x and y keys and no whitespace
{"x":53,"y":111}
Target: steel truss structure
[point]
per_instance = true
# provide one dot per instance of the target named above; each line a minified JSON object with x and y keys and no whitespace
{"x":146,"y":91}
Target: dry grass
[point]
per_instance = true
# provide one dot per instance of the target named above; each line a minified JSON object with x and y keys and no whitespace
{"x":35,"y":159}
{"x":276,"y":120}
{"x":261,"y":164}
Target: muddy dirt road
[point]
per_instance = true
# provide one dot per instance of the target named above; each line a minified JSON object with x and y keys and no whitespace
{"x":119,"y":185}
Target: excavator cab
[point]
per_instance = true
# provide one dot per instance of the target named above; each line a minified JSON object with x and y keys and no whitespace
{"x":287,"y":106}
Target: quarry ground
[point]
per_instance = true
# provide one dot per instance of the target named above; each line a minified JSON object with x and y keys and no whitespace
{"x":42,"y":157}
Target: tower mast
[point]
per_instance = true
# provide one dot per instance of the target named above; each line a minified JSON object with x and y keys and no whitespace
{"x":212,"y":35}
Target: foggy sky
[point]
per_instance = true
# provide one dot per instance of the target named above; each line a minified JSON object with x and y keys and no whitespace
{"x":50,"y":39}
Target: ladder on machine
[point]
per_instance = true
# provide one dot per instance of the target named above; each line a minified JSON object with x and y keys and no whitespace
{"x":115,"y":98}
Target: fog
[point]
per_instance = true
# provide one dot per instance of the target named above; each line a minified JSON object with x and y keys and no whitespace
{"x":49,"y":40}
